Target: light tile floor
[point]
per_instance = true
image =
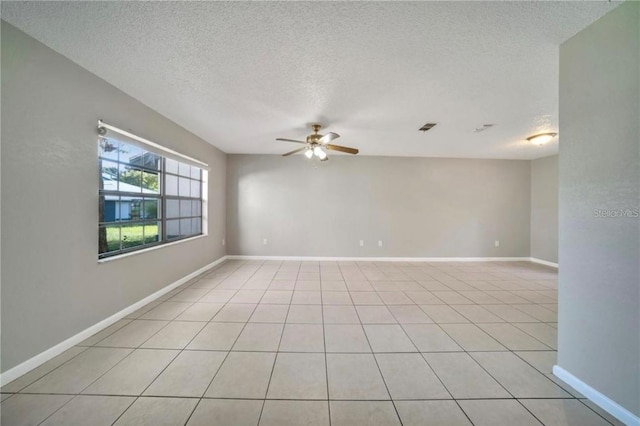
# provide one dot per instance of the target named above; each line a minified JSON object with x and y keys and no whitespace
{"x":320,"y":343}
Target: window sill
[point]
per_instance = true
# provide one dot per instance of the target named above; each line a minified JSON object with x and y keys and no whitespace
{"x":158,"y":247}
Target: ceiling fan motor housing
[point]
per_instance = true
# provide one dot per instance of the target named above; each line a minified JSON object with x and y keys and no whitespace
{"x":313,"y":139}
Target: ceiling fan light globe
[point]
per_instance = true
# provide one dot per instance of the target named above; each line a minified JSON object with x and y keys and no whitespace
{"x":317,"y":151}
{"x":322,"y":155}
{"x":308,"y":153}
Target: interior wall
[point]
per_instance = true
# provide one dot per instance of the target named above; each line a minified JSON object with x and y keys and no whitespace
{"x":599,"y":279}
{"x":417,"y":207}
{"x":52,"y":284}
{"x":544,"y":209}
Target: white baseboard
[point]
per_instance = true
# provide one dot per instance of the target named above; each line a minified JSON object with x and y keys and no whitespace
{"x":543,"y":262}
{"x":380,"y":259}
{"x":23,"y":368}
{"x":602,"y":401}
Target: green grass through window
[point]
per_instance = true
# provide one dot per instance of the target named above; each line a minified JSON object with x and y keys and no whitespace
{"x":132,"y":235}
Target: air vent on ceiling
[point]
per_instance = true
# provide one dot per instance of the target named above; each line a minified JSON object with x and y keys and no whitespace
{"x":483,"y":128}
{"x":427,"y":126}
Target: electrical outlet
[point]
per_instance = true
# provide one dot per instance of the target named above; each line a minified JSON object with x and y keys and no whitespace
{"x":265,"y":241}
{"x":497,"y":243}
{"x":224,"y":242}
{"x":361,"y":243}
{"x":379,"y":243}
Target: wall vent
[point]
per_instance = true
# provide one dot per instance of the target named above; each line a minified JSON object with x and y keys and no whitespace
{"x":427,"y":127}
{"x":483,"y":127}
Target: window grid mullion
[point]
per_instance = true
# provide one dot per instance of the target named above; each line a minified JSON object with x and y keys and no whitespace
{"x":161,"y":198}
{"x":163,"y":194}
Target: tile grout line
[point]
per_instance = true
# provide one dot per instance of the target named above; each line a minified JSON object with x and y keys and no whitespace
{"x":430,"y":368}
{"x":275,"y":359}
{"x":515,"y":352}
{"x":141,"y":394}
{"x":235,"y":340}
{"x":465,"y":351}
{"x":507,"y":350}
{"x":115,"y":331}
{"x":593,"y":411}
{"x":324,"y":339}
{"x":46,"y":374}
{"x":200,"y":399}
{"x":379,"y":369}
{"x":125,"y":410}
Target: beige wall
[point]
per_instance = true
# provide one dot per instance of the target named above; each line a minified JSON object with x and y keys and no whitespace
{"x":599,"y":280}
{"x":417,"y":207}
{"x":52,"y":284}
{"x":544,"y":209}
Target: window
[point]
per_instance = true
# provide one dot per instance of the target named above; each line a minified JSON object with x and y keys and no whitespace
{"x":145,"y":199}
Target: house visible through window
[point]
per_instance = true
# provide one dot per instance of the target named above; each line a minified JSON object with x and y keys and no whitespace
{"x":145,"y":199}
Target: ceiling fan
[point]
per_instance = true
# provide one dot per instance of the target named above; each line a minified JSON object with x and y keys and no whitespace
{"x":316,"y":144}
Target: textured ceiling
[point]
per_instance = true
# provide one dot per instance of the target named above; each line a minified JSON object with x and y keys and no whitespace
{"x":240,"y":74}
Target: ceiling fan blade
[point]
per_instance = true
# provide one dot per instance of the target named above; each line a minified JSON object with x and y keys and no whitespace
{"x":328,"y":138}
{"x":289,"y":140}
{"x":342,"y":149}
{"x":294,"y":151}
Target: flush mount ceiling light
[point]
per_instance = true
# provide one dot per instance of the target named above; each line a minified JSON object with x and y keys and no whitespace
{"x":541,"y":138}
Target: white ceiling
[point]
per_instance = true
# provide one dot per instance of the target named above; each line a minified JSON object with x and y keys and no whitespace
{"x":240,"y":74}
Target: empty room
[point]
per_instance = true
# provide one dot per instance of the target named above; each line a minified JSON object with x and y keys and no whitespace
{"x":320,"y":213}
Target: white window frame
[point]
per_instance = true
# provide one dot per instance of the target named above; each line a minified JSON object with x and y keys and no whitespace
{"x":108,"y":130}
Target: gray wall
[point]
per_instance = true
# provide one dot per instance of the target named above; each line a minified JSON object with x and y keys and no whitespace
{"x":544,"y":209}
{"x":599,"y":281}
{"x":418,"y":207}
{"x":52,"y":284}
